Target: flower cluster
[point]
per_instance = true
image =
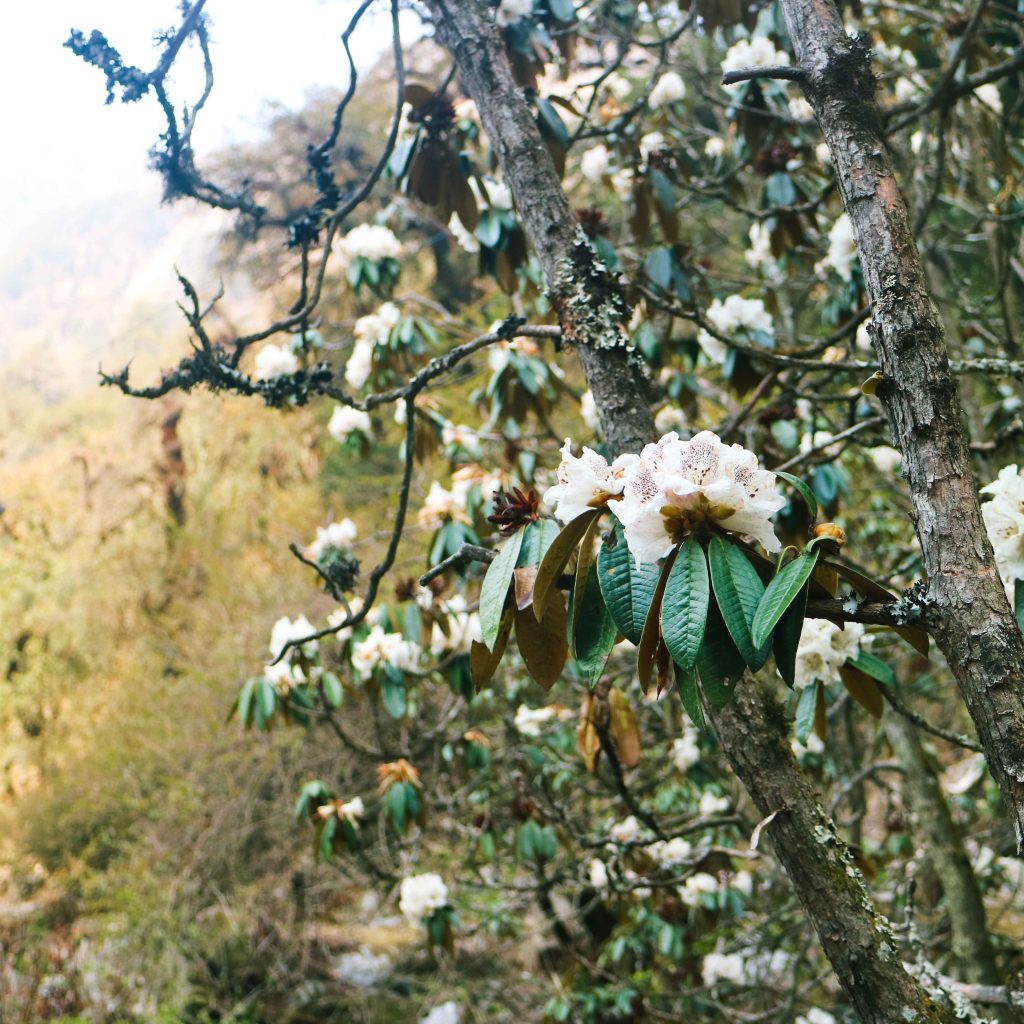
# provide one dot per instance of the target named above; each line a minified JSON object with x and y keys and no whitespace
{"x":273,"y":361}
{"x":346,"y":421}
{"x":421,"y":895}
{"x":1004,"y":521}
{"x":337,"y":535}
{"x":380,"y":648}
{"x":530,"y":721}
{"x":463,"y":628}
{"x":371,"y":242}
{"x":286,"y":629}
{"x":758,"y":52}
{"x":668,"y":89}
{"x":842,"y":247}
{"x":670,"y":489}
{"x":369,"y":331}
{"x":823,"y":648}
{"x":734,"y":314}
{"x":449,"y":506}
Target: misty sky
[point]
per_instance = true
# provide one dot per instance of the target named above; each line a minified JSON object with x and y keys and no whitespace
{"x":62,"y":145}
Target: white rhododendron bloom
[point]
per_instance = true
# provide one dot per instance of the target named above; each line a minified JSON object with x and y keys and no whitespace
{"x":823,"y":648}
{"x":372,"y":242}
{"x":530,"y":721}
{"x":886,"y":460}
{"x":842,"y":247}
{"x":677,"y":486}
{"x":444,"y":1013}
{"x":586,"y":482}
{"x":463,"y":628}
{"x":377,"y":326}
{"x":380,"y":648}
{"x":286,"y":629}
{"x":284,"y":675}
{"x":1004,"y":521}
{"x":685,"y":751}
{"x":421,"y":895}
{"x":442,"y":507}
{"x":341,"y":534}
{"x":650,"y":143}
{"x":273,"y":361}
{"x":815,"y":1015}
{"x":715,"y":147}
{"x":625,"y":831}
{"x":468,"y":242}
{"x":696,"y":886}
{"x":670,"y":88}
{"x":760,"y":252}
{"x":594,"y":163}
{"x":588,"y":410}
{"x":345,"y":421}
{"x":360,"y":364}
{"x":800,"y":109}
{"x":362,"y":968}
{"x":597,"y":874}
{"x":465,"y":110}
{"x":353,"y":811}
{"x":730,"y":315}
{"x":462,"y":436}
{"x":671,"y":853}
{"x":906,"y":89}
{"x":758,"y":52}
{"x":510,"y":11}
{"x":711,"y":805}
{"x":989,"y":95}
{"x":668,"y":418}
{"x":822,"y":153}
{"x":723,"y":967}
{"x":499,"y":195}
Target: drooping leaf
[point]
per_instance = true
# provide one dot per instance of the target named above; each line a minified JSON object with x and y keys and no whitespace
{"x":863,"y":689}
{"x":495,"y":588}
{"x":874,"y":667}
{"x":786,"y":638}
{"x":245,"y":701}
{"x":820,"y":716}
{"x":627,"y":588}
{"x":624,"y":729}
{"x":523,"y":580}
{"x":719,"y":663}
{"x":592,"y":630}
{"x":738,"y":591}
{"x":689,"y":696}
{"x":805,"y":708}
{"x":483,"y":662}
{"x":585,"y":560}
{"x":1018,"y":602}
{"x":537,"y":538}
{"x":557,"y":557}
{"x":543,"y":645}
{"x":684,"y":610}
{"x":780,"y":594}
{"x":392,"y":692}
{"x":332,"y":689}
{"x":803,"y":490}
{"x":651,"y":636}
{"x":588,"y":742}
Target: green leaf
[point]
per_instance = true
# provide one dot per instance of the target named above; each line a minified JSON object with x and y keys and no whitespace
{"x":719,"y":663}
{"x":787,"y":637}
{"x":488,"y":229}
{"x":557,"y":556}
{"x":537,"y":538}
{"x":332,"y":689}
{"x":684,"y":611}
{"x":266,"y":697}
{"x":803,"y":490}
{"x":780,"y":594}
{"x":874,"y":667}
{"x":627,"y":589}
{"x":650,"y":638}
{"x":1018,"y":602}
{"x":394,"y":804}
{"x":563,"y":10}
{"x":805,"y":708}
{"x":738,"y":591}
{"x":245,"y":701}
{"x":658,"y":268}
{"x":592,"y":630}
{"x":551,"y":121}
{"x":392,"y":692}
{"x":689,"y":695}
{"x":495,"y":588}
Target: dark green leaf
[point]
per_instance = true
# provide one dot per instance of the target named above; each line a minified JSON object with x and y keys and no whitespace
{"x":786,"y":638}
{"x":684,"y":611}
{"x":332,"y":689}
{"x":805,"y":708}
{"x":1018,"y":602}
{"x":874,"y":667}
{"x":627,"y":589}
{"x":738,"y":591}
{"x":537,"y":538}
{"x":803,"y":490}
{"x":780,"y":594}
{"x":719,"y":663}
{"x":557,"y":557}
{"x":592,"y":630}
{"x":392,"y":692}
{"x":686,"y":683}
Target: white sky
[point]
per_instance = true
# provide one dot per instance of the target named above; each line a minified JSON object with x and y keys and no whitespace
{"x":62,"y":145}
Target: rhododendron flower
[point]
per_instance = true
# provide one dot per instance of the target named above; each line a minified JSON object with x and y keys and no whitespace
{"x":1004,"y":521}
{"x":273,"y":361}
{"x":384,"y":648}
{"x":421,"y":895}
{"x":286,"y":629}
{"x":372,"y":242}
{"x":670,"y":88}
{"x":586,"y":482}
{"x":335,"y":535}
{"x":823,"y":648}
{"x":345,"y":420}
{"x":734,"y":314}
{"x":678,"y":486}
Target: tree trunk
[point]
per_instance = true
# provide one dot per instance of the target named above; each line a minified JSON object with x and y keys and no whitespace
{"x":943,"y":841}
{"x":592,"y":311}
{"x":968,"y":611}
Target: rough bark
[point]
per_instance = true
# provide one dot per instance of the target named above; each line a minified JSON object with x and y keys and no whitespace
{"x":970,"y":616}
{"x":586,"y":295}
{"x":944,"y":843}
{"x":855,"y":938}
